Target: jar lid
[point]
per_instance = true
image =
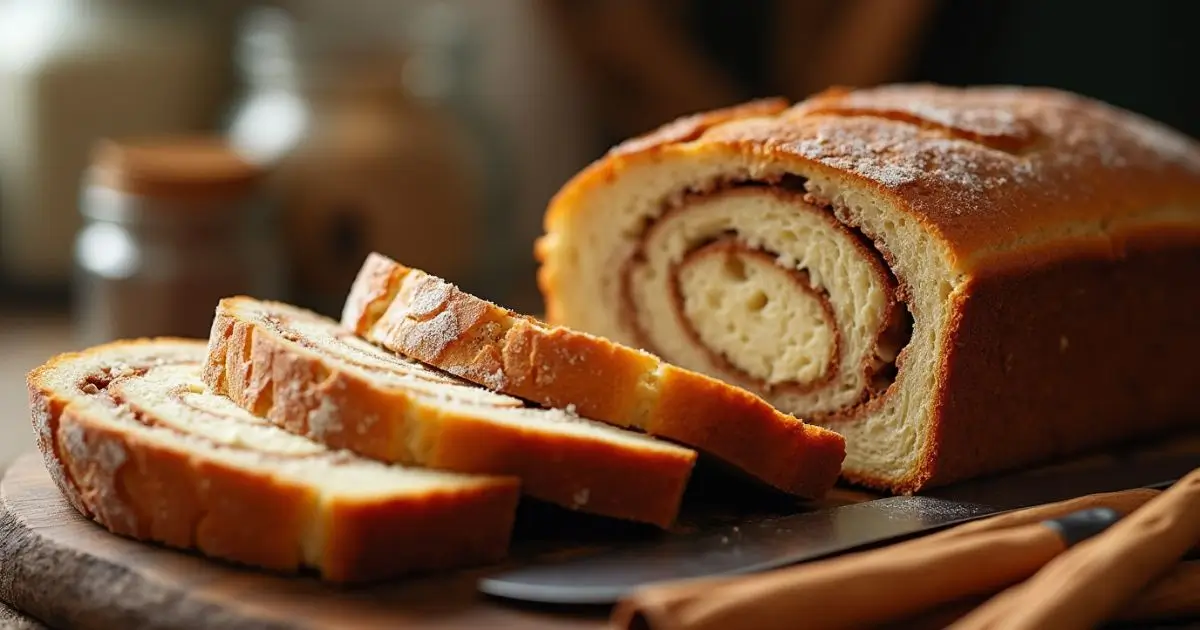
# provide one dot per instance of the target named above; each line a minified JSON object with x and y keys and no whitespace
{"x":180,"y":167}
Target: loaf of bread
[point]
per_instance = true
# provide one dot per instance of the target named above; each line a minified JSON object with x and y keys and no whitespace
{"x":423,"y":317}
{"x":135,"y":442}
{"x":957,"y":280}
{"x":306,"y":373}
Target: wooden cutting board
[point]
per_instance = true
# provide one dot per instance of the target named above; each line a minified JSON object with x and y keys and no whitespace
{"x":69,"y":572}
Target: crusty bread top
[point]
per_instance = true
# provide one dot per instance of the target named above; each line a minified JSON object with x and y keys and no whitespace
{"x":992,"y":170}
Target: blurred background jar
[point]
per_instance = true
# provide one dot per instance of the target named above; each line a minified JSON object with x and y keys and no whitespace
{"x":355,"y":123}
{"x":75,"y":70}
{"x":171,"y":226}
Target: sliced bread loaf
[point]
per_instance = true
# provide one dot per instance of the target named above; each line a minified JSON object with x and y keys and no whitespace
{"x":308,"y":374}
{"x":424,"y":317}
{"x":137,"y":444}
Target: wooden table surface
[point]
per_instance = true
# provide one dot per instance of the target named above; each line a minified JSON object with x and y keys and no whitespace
{"x":11,"y":618}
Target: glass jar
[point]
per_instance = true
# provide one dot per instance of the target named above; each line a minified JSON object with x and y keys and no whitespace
{"x":359,"y":161}
{"x":171,"y":226}
{"x":74,"y":71}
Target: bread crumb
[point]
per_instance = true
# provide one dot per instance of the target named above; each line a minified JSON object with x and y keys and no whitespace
{"x":581,"y":497}
{"x":1062,"y":343}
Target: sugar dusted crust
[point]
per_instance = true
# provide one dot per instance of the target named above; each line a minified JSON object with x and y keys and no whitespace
{"x":144,"y":451}
{"x":991,"y":170}
{"x":313,"y":377}
{"x":1031,"y":203}
{"x":432,"y":321}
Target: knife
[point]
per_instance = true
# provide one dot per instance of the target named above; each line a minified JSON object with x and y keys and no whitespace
{"x":605,"y":577}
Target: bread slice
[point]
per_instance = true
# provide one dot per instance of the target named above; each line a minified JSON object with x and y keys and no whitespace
{"x":137,"y":444}
{"x":409,"y":311}
{"x":308,"y":374}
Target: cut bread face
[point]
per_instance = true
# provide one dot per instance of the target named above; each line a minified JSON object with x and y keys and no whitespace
{"x":770,"y":275}
{"x":137,"y":443}
{"x":423,"y":317}
{"x":310,"y":375}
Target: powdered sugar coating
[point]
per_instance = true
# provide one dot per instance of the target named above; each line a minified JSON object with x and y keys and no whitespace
{"x":427,"y":314}
{"x":985,"y":117}
{"x":368,"y":293}
{"x":41,"y":418}
{"x":325,"y":419}
{"x":986,"y":168}
{"x":99,"y":462}
{"x":43,"y":424}
{"x":343,"y":350}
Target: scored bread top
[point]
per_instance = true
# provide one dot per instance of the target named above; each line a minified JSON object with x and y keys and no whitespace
{"x":310,"y":375}
{"x":411,"y":312}
{"x":139,"y":445}
{"x":992,"y":170}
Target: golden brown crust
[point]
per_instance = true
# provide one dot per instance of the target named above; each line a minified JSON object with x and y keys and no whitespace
{"x":265,"y":367}
{"x":432,"y":321}
{"x":1132,"y":370}
{"x":141,"y":480}
{"x":163,"y":494}
{"x":45,"y":409}
{"x":372,"y":291}
{"x":987,"y":169}
{"x":743,"y":429}
{"x":261,"y":373}
{"x":580,"y":475}
{"x":454,"y":530}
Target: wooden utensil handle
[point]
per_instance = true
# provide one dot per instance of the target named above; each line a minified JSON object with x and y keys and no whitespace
{"x":866,"y":588}
{"x":1090,"y":584}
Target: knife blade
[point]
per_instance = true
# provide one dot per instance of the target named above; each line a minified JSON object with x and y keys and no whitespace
{"x":732,"y":549}
{"x":604,"y":578}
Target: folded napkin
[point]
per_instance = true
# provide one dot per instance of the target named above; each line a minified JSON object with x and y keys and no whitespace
{"x":1015,"y":564}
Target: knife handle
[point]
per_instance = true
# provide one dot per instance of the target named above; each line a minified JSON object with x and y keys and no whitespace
{"x":1090,"y":584}
{"x":1077,"y":527}
{"x":865,"y":588}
